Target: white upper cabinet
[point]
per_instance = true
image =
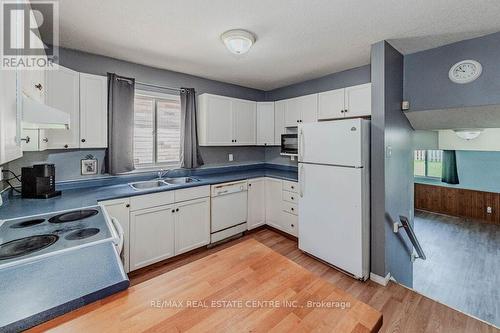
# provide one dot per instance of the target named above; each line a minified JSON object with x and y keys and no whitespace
{"x":245,"y":122}
{"x":358,"y":100}
{"x":301,"y":109}
{"x":265,"y":123}
{"x":345,"y":103}
{"x":331,"y":104}
{"x":93,"y":111}
{"x":63,"y":91}
{"x":215,"y":122}
{"x":10,"y":130}
{"x":279,"y":121}
{"x":226,"y":121}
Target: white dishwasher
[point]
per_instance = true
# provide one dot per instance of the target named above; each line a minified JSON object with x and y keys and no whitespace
{"x":229,"y":210}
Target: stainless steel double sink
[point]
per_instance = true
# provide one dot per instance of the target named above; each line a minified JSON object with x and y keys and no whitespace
{"x":156,"y":183}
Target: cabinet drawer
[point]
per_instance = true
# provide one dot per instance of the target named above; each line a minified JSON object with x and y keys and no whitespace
{"x":192,"y":193}
{"x":290,"y":186}
{"x":290,"y":197}
{"x":291,"y":223}
{"x":151,"y":200}
{"x":290,"y":208}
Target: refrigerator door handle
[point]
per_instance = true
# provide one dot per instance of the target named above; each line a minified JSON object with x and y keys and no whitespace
{"x":301,"y":142}
{"x":302,"y":177}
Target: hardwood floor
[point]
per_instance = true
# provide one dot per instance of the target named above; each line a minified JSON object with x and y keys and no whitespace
{"x":403,"y":310}
{"x":462,"y":268}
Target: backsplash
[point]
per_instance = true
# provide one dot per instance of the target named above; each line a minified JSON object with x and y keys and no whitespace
{"x":67,"y":162}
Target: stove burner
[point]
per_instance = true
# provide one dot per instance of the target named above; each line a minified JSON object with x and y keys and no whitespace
{"x":82,"y":233}
{"x":73,"y":216}
{"x":24,"y":246}
{"x":25,"y":224}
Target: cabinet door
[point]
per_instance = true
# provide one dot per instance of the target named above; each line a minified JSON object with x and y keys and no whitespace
{"x":293,"y":112}
{"x":331,"y":104}
{"x":279,"y":121}
{"x":63,"y":91}
{"x":244,"y":120}
{"x":309,"y":108}
{"x":10,"y":120}
{"x":33,"y":83}
{"x":119,"y":209}
{"x":273,"y":202}
{"x":192,"y":225}
{"x":216,"y":120}
{"x":151,"y":236}
{"x":256,"y":203}
{"x":265,"y":123}
{"x":93,"y":111}
{"x":358,"y":100}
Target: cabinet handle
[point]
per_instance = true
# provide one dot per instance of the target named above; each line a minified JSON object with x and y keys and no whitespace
{"x":292,"y":209}
{"x":293,"y":187}
{"x":39,"y":86}
{"x":291,"y":198}
{"x":127,"y":205}
{"x":345,"y":111}
{"x":83,"y":140}
{"x":177,"y":210}
{"x":292,"y":225}
{"x":249,"y":185}
{"x":66,"y":146}
{"x":45,"y":140}
{"x":27,"y":139}
{"x":173,"y":210}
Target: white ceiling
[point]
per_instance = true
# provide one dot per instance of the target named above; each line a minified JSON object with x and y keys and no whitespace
{"x":297,"y":40}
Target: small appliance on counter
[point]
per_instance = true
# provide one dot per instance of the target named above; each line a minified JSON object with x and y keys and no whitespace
{"x":39,"y":181}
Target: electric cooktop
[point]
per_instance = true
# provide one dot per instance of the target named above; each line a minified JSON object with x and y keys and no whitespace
{"x":35,"y":236}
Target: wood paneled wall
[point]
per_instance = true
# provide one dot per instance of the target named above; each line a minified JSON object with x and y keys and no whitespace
{"x":458,"y":202}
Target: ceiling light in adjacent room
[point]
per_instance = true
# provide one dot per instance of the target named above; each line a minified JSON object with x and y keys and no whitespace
{"x":468,"y":134}
{"x":238,"y":41}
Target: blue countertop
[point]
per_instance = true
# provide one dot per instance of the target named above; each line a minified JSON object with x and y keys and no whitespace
{"x":87,"y":193}
{"x":40,"y":290}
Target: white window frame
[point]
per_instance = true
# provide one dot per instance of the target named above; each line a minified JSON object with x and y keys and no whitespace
{"x":156,"y":96}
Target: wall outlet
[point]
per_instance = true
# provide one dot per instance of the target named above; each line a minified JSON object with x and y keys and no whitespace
{"x":489,"y":210}
{"x":230,"y":157}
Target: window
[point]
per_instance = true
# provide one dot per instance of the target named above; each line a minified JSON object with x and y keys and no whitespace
{"x":428,"y":163}
{"x":157,"y":130}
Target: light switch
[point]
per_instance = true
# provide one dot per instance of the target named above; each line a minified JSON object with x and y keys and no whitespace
{"x":230,"y":157}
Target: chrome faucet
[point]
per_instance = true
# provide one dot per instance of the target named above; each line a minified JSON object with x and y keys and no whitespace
{"x":162,"y":173}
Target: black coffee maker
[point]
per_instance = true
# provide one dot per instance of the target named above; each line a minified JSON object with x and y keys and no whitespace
{"x":39,"y":181}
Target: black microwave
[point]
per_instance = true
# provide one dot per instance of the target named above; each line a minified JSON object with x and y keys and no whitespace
{"x":289,"y":144}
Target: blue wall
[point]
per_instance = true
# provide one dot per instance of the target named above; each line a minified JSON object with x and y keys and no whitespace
{"x":426,"y":82}
{"x":391,"y":174}
{"x":479,"y":170}
{"x":350,"y":77}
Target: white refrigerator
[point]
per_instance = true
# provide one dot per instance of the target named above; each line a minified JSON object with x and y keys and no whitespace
{"x":334,"y":201}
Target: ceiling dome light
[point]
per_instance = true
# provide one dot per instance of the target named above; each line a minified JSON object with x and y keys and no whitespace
{"x":468,"y":134}
{"x":238,"y":41}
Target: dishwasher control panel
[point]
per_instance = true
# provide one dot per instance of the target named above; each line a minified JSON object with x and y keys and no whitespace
{"x":228,"y":188}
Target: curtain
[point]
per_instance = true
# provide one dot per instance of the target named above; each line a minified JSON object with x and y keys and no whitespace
{"x":120,"y":152}
{"x":450,"y":173}
{"x":190,"y":152}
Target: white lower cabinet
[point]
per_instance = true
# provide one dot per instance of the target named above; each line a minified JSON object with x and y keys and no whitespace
{"x":256,"y":203}
{"x":281,"y":209}
{"x":119,"y":209}
{"x":151,"y":235}
{"x":192,"y":225}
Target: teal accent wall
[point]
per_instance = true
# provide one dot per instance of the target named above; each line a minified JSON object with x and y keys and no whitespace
{"x":477,"y":170}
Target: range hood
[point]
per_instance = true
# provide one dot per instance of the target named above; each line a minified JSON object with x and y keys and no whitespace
{"x":37,"y":115}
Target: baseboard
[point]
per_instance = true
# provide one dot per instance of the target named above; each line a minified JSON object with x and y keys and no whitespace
{"x":380,"y":279}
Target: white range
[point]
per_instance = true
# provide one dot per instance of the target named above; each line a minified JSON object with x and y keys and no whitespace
{"x":334,"y":201}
